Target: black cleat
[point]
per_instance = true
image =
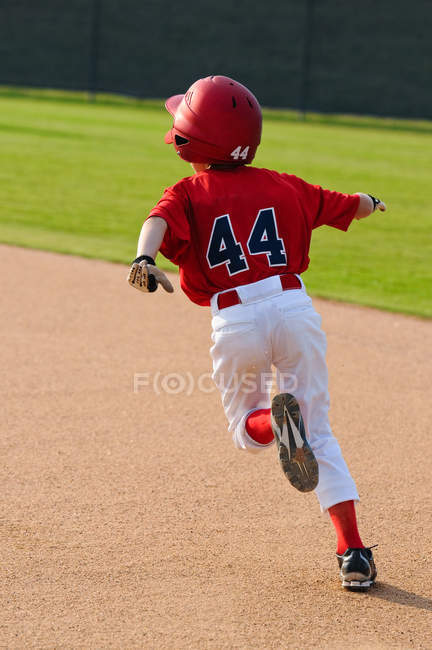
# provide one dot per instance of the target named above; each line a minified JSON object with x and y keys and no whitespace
{"x":296,"y":457}
{"x":357,"y":569}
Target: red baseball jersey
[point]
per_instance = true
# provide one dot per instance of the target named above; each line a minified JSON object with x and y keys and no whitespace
{"x":236,"y":226}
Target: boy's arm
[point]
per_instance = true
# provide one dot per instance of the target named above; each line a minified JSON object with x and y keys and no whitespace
{"x":151,"y":236}
{"x":367,"y":205}
{"x":144,"y":274}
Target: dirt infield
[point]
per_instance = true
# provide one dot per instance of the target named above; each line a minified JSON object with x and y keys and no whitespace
{"x":129,"y":520}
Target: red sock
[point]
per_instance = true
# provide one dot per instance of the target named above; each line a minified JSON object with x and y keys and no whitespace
{"x":258,"y":426}
{"x":344,"y":520}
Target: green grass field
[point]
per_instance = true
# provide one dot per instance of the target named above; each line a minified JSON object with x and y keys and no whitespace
{"x":80,"y":178}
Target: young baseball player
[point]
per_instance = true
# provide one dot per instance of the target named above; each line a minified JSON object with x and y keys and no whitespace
{"x":240,"y":236}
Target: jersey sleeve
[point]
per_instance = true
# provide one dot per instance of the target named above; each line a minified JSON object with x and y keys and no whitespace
{"x":173,"y":208}
{"x":328,"y":208}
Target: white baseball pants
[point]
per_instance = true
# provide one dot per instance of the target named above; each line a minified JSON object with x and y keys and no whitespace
{"x":278,"y":328}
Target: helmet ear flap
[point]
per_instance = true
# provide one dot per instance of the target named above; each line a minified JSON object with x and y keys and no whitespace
{"x":180,"y":141}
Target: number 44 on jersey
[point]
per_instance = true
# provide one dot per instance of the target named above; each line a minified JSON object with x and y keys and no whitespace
{"x":224,"y":248}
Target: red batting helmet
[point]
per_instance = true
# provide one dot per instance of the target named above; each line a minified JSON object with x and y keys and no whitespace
{"x":218,"y":120}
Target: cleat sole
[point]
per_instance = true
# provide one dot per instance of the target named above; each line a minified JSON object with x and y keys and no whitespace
{"x":295,"y":454}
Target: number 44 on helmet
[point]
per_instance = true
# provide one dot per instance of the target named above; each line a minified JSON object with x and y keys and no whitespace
{"x":239,"y":153}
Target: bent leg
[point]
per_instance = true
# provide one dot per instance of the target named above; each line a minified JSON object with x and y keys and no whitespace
{"x":241,"y":371}
{"x":300,"y":347}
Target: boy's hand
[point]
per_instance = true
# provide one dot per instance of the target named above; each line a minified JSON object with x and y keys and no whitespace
{"x":146,"y":277}
{"x":378,"y":204}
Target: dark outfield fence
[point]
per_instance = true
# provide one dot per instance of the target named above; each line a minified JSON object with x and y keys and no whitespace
{"x":370,"y":57}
